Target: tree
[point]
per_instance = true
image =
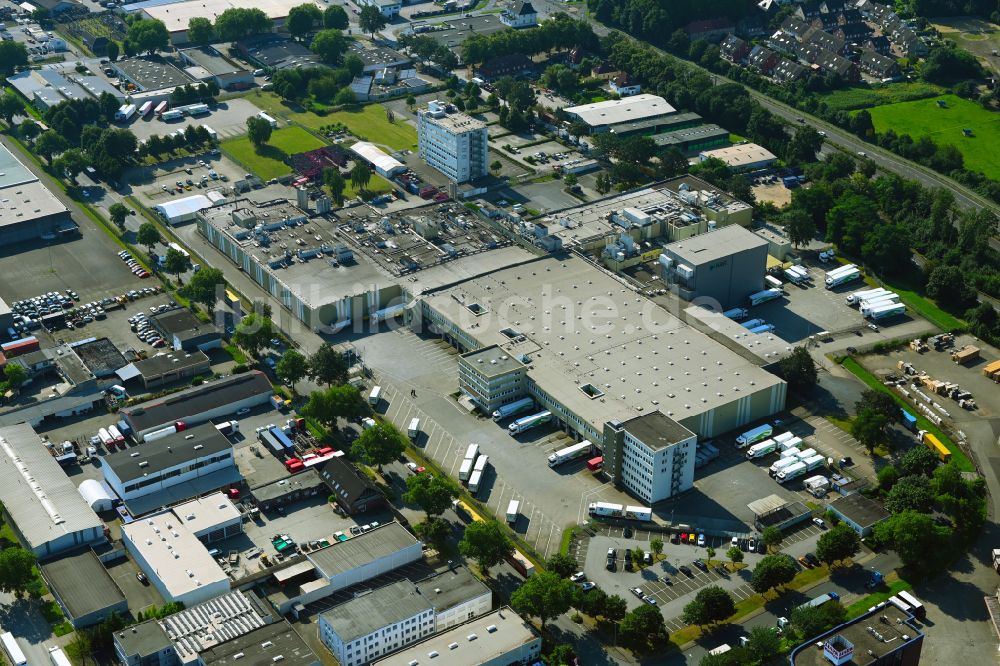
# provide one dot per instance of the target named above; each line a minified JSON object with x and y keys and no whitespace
{"x":354,"y":64}
{"x":804,"y":145}
{"x":379,"y":445}
{"x":16,"y":569}
{"x":200,"y":31}
{"x":12,"y":55}
{"x":799,"y":226}
{"x":882,"y":403}
{"x":485,"y":542}
{"x":916,"y":539}
{"x":799,"y":369}
{"x":869,"y":428}
{"x":28,"y":129}
{"x":888,"y":476}
{"x":712,"y":604}
{"x":360,"y":175}
{"x":292,"y":367}
{"x":15,"y":375}
{"x":763,"y":643}
{"x":643,"y":629}
{"x":371,"y":20}
{"x":949,"y":287}
{"x":205,"y":287}
{"x":656,"y":545}
{"x":838,"y":543}
{"x":49,"y":143}
{"x":918,"y":460}
{"x":602,"y":183}
{"x":238,"y":22}
{"x":771,"y":536}
{"x":344,"y":97}
{"x":81,"y":648}
{"x":330,"y":45}
{"x":335,"y":17}
{"x":615,"y":608}
{"x":813,"y":620}
{"x":147,"y":36}
{"x":948,"y":64}
{"x":148,"y":236}
{"x":258,"y":131}
{"x":495,"y":167}
{"x":175,"y":263}
{"x":544,"y":595}
{"x":735,"y":555}
{"x":431,"y":492}
{"x":570,"y":180}
{"x":561,"y":655}
{"x":336,"y":402}
{"x":302,"y":18}
{"x":562,"y":565}
{"x":71,"y":163}
{"x":253,"y":333}
{"x":327,"y":365}
{"x":910,"y":493}
{"x":772,"y":571}
{"x":10,"y":106}
{"x":435,"y":532}
{"x":335,"y":183}
{"x":672,"y":163}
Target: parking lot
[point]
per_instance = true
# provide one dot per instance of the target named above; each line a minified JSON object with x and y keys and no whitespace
{"x":228,"y":118}
{"x":810,"y":309}
{"x":159,"y":184}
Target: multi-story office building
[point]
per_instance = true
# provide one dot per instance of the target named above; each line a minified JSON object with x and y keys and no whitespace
{"x":453,"y":143}
{"x":652,"y":456}
{"x":492,"y":377}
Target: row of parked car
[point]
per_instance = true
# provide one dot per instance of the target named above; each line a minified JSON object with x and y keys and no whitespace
{"x":144,"y":330}
{"x":134,"y":265}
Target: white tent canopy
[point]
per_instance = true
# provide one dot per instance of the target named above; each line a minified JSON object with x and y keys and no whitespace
{"x":96,"y":495}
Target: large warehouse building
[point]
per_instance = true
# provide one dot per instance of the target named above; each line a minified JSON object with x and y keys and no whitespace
{"x":28,"y":210}
{"x":721,"y":268}
{"x":602,"y":116}
{"x":593,"y":351}
{"x":41,"y":502}
{"x":176,"y":14}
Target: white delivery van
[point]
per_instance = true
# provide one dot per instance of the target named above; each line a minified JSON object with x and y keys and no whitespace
{"x":375,"y":395}
{"x":413,"y":429}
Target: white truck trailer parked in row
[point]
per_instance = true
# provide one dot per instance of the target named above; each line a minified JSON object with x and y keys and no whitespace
{"x":761,"y":449}
{"x":841,"y":269}
{"x":619,"y":511}
{"x":474,"y":481}
{"x":805,"y":454}
{"x":886,"y":311}
{"x":791,"y":443}
{"x":513,"y":508}
{"x":753,"y":436}
{"x":843,"y":278}
{"x":781,"y":464}
{"x":783,"y":437}
{"x":865,"y":294}
{"x":465,"y":471}
{"x":793,"y":471}
{"x":870,"y":304}
{"x":570,"y":453}
{"x":789,"y":453}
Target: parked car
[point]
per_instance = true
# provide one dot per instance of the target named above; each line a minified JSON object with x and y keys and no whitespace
{"x":637,"y":591}
{"x":649,"y":600}
{"x":818,"y":522}
{"x":578,"y":576}
{"x":588,"y":586}
{"x":700,"y":563}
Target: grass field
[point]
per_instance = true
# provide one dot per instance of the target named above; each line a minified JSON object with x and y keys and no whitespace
{"x":268,"y":162}
{"x":945,"y":125}
{"x":864,"y":97}
{"x":366,"y":122}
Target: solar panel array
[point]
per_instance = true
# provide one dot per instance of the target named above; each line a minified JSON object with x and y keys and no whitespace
{"x":211,"y":623}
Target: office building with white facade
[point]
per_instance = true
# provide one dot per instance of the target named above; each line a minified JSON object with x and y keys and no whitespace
{"x":492,"y":377}
{"x":453,"y":143}
{"x":650,"y":456}
{"x":163,"y":464}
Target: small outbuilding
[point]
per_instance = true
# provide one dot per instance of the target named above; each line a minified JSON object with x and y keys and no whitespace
{"x":97,"y":495}
{"x":184,"y":209}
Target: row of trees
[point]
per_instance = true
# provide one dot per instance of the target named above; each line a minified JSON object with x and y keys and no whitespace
{"x":324,"y":84}
{"x":429,"y":48}
{"x":560,"y":31}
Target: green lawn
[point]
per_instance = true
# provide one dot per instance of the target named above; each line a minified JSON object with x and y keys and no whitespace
{"x":377,"y":185}
{"x":864,"y":97}
{"x":268,"y":161}
{"x":944,"y":125}
{"x":861,"y":606}
{"x":873,"y":383}
{"x":368,"y":123}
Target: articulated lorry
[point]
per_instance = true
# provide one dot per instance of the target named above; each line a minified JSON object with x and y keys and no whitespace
{"x":516,"y":407}
{"x":842,"y":278}
{"x":609,"y":510}
{"x":865,"y":294}
{"x":570,"y":453}
{"x":529,"y":422}
{"x":752,"y":323}
{"x":761,"y":449}
{"x":762,"y":297}
{"x":886,"y":311}
{"x":797,"y":469}
{"x":737,"y":313}
{"x":753,"y":436}
{"x":781,"y":464}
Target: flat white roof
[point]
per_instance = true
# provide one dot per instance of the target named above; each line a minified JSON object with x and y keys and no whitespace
{"x":173,"y":553}
{"x":183,"y":206}
{"x":206,"y":513}
{"x":378,"y":157}
{"x":741,"y":155}
{"x":614,"y":111}
{"x":177,"y":14}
